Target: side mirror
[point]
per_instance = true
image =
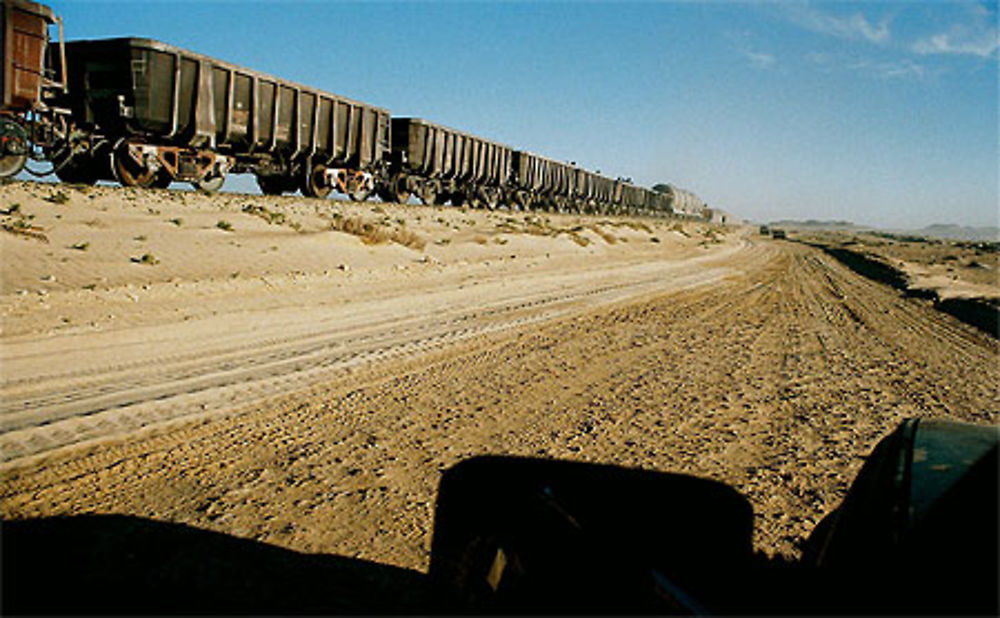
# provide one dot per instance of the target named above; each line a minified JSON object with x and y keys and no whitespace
{"x":535,"y":535}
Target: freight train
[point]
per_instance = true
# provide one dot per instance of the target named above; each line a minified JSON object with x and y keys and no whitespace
{"x":146,"y":114}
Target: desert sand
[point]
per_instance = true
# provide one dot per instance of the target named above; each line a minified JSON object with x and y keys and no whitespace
{"x":299,"y":372}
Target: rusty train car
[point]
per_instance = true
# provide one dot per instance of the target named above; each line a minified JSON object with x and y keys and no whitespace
{"x":145,"y":113}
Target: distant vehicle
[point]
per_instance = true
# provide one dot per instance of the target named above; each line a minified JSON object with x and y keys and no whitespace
{"x":778,"y":234}
{"x":765,"y":230}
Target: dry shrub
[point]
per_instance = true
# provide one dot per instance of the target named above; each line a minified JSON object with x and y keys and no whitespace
{"x":409,"y":239}
{"x":480,"y":239}
{"x":606,"y":236}
{"x":17,"y":222}
{"x":536,"y":228}
{"x":372,"y":234}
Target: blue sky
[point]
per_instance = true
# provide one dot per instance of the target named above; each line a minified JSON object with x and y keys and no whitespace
{"x":883,"y":113}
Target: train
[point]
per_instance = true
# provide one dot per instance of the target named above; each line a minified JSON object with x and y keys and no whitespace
{"x":144,"y":113}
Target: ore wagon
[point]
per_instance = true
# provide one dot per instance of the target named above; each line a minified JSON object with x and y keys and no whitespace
{"x":684,"y":203}
{"x":440,"y":164}
{"x":162,"y":114}
{"x":546,"y":183}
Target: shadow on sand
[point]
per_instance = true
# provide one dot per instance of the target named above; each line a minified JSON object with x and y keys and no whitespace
{"x":116,"y":564}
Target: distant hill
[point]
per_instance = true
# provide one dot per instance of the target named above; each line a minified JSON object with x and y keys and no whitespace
{"x":944,"y":231}
{"x":958,"y":232}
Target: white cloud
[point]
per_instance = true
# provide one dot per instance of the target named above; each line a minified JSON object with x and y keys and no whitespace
{"x":742,"y":42}
{"x":903,"y":69}
{"x":855,"y":26}
{"x":761,"y":60}
{"x":976,"y":36}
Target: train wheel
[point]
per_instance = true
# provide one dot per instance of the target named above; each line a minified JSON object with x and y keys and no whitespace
{"x":442,"y":198}
{"x":80,"y":172}
{"x":130,"y":173}
{"x":492,"y":198}
{"x":314,"y":183}
{"x":358,"y":187}
{"x":13,"y":148}
{"x":402,"y":196}
{"x":271,"y":185}
{"x":427,"y":193}
{"x":358,"y":194}
{"x":210,"y":185}
{"x":457,"y":199}
{"x":162,"y":180}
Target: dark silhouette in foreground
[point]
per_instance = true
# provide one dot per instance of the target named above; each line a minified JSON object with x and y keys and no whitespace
{"x":916,"y":534}
{"x":118,"y":564}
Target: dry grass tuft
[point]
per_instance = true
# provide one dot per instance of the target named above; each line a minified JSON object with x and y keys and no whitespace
{"x":15,"y":221}
{"x":372,"y":234}
{"x":409,"y":239}
{"x":605,"y":236}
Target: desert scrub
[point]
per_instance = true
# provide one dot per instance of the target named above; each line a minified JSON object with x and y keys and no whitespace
{"x":15,"y":221}
{"x":146,"y":258}
{"x":224,"y":225}
{"x":57,"y":198}
{"x":356,"y":226}
{"x":409,"y":239}
{"x":176,"y":221}
{"x":605,"y":236}
{"x":272,"y":218}
{"x":81,"y":246}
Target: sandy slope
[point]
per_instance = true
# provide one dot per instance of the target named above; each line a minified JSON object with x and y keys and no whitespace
{"x":314,"y":408}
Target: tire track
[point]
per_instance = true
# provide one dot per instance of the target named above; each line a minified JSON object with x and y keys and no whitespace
{"x":761,"y":379}
{"x":57,"y":412}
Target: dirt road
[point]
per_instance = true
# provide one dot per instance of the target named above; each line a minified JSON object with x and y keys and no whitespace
{"x":324,"y":429}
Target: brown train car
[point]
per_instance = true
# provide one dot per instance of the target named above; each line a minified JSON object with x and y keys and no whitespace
{"x":29,"y":78}
{"x":178,"y":115}
{"x":438,"y":164}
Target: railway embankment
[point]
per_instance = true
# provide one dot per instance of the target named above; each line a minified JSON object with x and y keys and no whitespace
{"x":982,"y":312}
